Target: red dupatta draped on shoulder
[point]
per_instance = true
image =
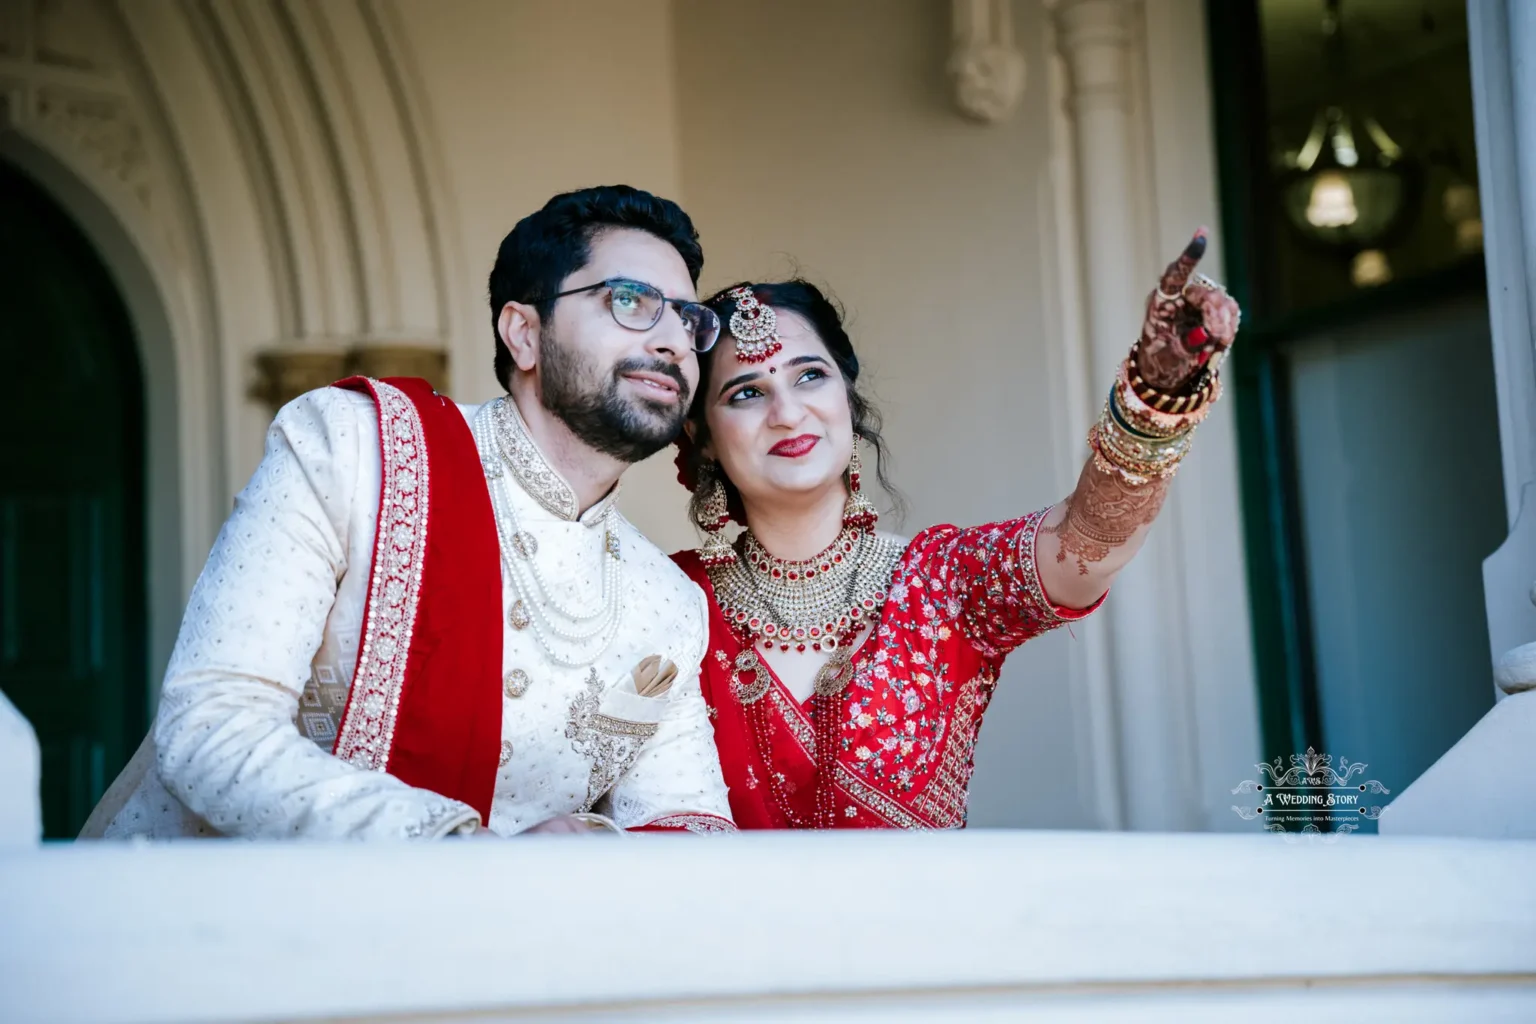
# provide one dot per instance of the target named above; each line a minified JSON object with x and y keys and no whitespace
{"x":426,"y":697}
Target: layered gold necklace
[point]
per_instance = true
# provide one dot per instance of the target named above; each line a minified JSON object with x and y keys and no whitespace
{"x":817,"y":603}
{"x":821,"y":604}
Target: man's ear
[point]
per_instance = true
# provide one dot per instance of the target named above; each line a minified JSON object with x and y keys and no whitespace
{"x":518,"y":326}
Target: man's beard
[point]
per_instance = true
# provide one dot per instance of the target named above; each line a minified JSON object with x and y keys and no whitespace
{"x":629,"y":429}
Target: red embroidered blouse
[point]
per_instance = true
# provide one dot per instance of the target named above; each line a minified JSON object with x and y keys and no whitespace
{"x":960,"y":601}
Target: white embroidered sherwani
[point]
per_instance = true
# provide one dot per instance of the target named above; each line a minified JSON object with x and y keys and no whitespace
{"x":260,"y":675}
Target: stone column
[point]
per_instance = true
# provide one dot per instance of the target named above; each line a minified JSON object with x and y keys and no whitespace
{"x":1155,"y":734}
{"x":1503,"y":50}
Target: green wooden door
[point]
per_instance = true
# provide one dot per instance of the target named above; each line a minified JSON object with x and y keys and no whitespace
{"x":72,"y":586}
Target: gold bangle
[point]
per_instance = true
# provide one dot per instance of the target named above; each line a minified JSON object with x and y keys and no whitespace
{"x":1141,"y":447}
{"x":1143,"y":413}
{"x":1108,"y":458}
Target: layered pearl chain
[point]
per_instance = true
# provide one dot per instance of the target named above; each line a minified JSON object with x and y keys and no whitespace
{"x":571,"y":636}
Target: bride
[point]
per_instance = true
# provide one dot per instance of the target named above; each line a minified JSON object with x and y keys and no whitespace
{"x":848,"y":670}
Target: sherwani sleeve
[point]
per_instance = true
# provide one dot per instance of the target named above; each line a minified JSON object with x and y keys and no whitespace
{"x":226,"y":741}
{"x":676,"y":783}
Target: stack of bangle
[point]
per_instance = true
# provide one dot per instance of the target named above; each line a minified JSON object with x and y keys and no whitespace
{"x":1135,"y":457}
{"x":1143,"y":434}
{"x":1196,"y":396}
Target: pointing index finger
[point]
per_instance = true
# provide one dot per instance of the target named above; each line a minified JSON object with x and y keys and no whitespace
{"x":1179,"y":270}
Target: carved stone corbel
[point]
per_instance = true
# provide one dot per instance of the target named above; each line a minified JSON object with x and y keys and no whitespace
{"x":986,"y":65}
{"x":427,"y":362}
{"x":284,"y":374}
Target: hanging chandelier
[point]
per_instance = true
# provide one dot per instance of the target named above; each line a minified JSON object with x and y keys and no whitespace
{"x":1349,"y":184}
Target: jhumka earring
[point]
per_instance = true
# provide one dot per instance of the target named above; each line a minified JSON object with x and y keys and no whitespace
{"x":859,"y":513}
{"x":712,"y":515}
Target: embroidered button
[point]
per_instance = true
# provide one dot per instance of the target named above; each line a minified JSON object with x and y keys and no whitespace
{"x":611,"y":543}
{"x":518,"y":617}
{"x":517,"y":683}
{"x":526,"y":543}
{"x":506,"y":753}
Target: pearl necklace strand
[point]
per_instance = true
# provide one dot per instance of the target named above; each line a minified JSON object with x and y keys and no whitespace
{"x":557,"y":627}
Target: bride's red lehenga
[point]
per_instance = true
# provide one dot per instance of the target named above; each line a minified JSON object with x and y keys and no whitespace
{"x":887,"y":738}
{"x":903,"y":726}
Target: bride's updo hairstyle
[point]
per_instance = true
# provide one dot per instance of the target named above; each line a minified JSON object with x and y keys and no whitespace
{"x":808,"y":302}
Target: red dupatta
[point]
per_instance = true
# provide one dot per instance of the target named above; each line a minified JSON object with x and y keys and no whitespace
{"x":426,"y":697}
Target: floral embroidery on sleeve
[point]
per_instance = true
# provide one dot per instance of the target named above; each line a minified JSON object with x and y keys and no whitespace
{"x":987,"y":582}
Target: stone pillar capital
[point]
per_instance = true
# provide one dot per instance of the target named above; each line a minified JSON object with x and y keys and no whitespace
{"x":285,"y":373}
{"x":1094,"y":38}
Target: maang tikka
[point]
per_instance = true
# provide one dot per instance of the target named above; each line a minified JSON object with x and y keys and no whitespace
{"x":754,"y":325}
{"x":859,"y":513}
{"x":712,"y":514}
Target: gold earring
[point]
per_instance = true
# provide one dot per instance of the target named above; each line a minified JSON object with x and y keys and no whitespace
{"x":712,"y":515}
{"x":859,"y":513}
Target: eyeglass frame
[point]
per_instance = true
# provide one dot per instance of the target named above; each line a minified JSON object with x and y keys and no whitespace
{"x":681,"y":305}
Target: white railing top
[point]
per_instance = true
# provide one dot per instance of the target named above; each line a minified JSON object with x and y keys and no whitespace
{"x":234,"y":931}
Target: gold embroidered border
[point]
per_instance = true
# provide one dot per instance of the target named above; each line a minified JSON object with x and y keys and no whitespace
{"x":879,"y":803}
{"x":944,"y":799}
{"x":1029,"y":569}
{"x":537,"y":476}
{"x":699,"y":824}
{"x":795,"y":720}
{"x":368,"y":727}
{"x":612,"y":745}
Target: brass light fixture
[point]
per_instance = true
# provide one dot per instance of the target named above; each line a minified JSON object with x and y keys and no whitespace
{"x":1350,"y":183}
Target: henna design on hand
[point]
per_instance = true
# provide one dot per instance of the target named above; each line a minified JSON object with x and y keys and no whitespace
{"x":1187,"y":322}
{"x":1103,"y":513}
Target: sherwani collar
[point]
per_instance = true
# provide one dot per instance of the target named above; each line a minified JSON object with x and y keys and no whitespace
{"x":535,"y":473}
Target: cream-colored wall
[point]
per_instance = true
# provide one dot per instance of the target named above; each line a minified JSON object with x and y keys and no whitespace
{"x":531,"y":99}
{"x":823,"y":135}
{"x":528,"y":100}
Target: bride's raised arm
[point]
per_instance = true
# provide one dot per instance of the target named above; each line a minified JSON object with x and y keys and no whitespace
{"x":1165,"y":387}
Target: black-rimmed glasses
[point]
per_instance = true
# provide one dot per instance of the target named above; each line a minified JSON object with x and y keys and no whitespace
{"x":638,"y":306}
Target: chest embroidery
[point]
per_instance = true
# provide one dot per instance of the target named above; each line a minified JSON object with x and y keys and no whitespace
{"x":612,"y":745}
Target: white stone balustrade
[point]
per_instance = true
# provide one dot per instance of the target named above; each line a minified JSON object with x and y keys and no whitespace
{"x":21,"y":814}
{"x":980,"y":926}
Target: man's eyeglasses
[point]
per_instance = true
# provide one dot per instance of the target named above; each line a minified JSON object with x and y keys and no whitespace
{"x":638,"y":306}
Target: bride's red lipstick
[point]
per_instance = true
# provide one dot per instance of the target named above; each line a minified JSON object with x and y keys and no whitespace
{"x":795,"y":446}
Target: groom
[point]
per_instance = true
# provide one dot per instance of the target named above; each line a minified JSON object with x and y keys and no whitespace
{"x":427,"y":619}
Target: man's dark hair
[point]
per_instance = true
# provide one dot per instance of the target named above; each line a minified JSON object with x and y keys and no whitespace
{"x":548,"y":246}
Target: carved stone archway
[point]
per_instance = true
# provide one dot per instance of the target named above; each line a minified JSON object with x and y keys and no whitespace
{"x":259,"y":178}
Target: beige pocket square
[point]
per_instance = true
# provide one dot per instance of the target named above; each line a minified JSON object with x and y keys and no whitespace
{"x":653,"y":676}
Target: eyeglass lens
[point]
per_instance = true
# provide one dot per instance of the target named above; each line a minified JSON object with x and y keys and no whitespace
{"x":639,"y":306}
